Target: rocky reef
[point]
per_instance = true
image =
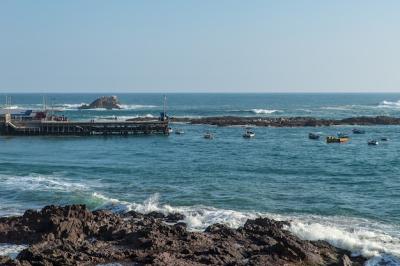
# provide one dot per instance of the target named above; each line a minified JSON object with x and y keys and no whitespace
{"x":288,"y":121}
{"x":106,"y":102}
{"x":73,"y":235}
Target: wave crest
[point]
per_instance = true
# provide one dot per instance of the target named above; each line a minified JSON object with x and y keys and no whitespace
{"x":263,"y":111}
{"x":389,"y":104}
{"x":126,"y":107}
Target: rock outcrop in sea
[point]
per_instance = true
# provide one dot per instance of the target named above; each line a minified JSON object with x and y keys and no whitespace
{"x":285,"y":121}
{"x":73,"y":235}
{"x":106,"y":102}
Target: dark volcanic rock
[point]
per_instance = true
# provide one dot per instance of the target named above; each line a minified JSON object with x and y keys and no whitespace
{"x":287,"y":121}
{"x":73,"y":235}
{"x":107,"y":102}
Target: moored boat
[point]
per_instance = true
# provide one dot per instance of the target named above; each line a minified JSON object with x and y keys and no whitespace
{"x":313,"y":136}
{"x":373,"y":142}
{"x":334,"y":139}
{"x":358,"y":131}
{"x":249,"y":134}
{"x":208,"y":135}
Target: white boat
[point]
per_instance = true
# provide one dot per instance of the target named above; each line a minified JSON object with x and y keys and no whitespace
{"x":249,"y":134}
{"x":179,"y":132}
{"x":208,"y":135}
{"x":170,"y":130}
{"x":373,"y":142}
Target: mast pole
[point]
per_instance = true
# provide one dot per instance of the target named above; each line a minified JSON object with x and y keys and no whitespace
{"x":165,"y":106}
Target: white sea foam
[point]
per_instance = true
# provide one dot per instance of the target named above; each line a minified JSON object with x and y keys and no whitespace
{"x":11,"y":250}
{"x":75,"y":107}
{"x":360,"y":236}
{"x":36,"y":182}
{"x":338,"y":108}
{"x":13,"y":107}
{"x":389,"y":104}
{"x":137,"y":106}
{"x":263,"y":111}
{"x":122,"y":117}
{"x":377,"y":241}
{"x":69,"y":106}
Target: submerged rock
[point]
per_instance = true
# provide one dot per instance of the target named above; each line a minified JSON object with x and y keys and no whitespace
{"x":107,"y":102}
{"x":73,"y":235}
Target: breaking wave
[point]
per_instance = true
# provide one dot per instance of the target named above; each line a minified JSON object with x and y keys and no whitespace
{"x":11,"y":250}
{"x":263,"y":111}
{"x":69,"y":107}
{"x":137,"y":106}
{"x":389,"y":104}
{"x":75,"y":107}
{"x":255,"y":111}
{"x":122,"y":117}
{"x":376,"y":241}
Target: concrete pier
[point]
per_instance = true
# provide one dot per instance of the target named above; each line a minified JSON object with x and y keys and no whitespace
{"x":60,"y":128}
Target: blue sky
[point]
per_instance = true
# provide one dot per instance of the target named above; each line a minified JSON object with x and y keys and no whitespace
{"x":193,"y":46}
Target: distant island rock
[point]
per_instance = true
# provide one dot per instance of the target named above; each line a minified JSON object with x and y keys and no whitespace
{"x":106,"y":102}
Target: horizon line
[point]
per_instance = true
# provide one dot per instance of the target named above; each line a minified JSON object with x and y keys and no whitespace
{"x":205,"y":92}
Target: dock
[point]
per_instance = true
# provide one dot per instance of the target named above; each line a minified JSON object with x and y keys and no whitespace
{"x":11,"y":126}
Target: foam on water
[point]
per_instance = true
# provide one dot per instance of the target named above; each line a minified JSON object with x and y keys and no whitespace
{"x":122,"y":117}
{"x":377,"y":241}
{"x":37,"y":182}
{"x":263,"y":111}
{"x":389,"y":104}
{"x":75,"y":107}
{"x":11,"y":250}
{"x":137,"y":106}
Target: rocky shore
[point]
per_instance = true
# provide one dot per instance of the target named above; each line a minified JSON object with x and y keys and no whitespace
{"x":73,"y":235}
{"x":288,"y":121}
{"x":282,"y":121}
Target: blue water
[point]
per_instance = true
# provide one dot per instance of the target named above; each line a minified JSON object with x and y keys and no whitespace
{"x":347,"y":194}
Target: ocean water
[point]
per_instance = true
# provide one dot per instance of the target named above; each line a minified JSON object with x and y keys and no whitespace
{"x":348,"y":194}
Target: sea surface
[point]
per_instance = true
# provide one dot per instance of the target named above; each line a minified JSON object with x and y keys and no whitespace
{"x":347,"y":194}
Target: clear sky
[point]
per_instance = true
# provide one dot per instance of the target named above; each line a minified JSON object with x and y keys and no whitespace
{"x":199,"y":45}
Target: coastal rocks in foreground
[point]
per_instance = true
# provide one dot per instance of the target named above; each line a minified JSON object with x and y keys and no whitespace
{"x":106,"y":102}
{"x":73,"y":235}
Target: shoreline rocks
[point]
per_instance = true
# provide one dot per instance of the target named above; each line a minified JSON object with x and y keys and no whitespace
{"x":73,"y":235}
{"x":289,"y":121}
{"x":106,"y":102}
{"x":281,"y":121}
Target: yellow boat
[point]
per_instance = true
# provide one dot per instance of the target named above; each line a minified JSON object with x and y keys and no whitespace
{"x":333,"y":139}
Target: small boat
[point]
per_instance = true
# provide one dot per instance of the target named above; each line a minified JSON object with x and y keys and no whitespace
{"x":334,"y":139}
{"x":313,"y":136}
{"x":358,"y":131}
{"x":249,"y":134}
{"x":384,"y":139}
{"x":179,"y":132}
{"x":170,"y":130}
{"x":208,"y":135}
{"x":373,"y":142}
